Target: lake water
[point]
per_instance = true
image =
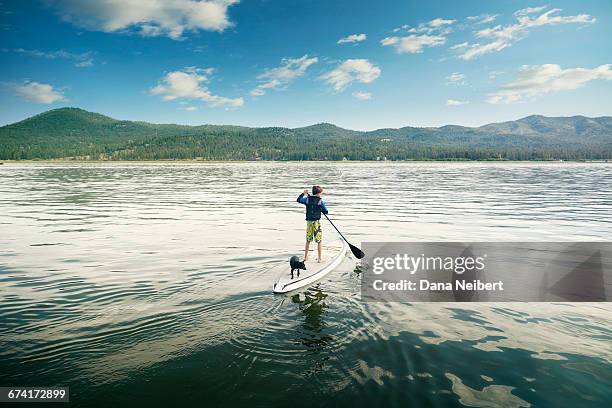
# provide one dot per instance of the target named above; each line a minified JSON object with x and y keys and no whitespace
{"x":149,"y":285}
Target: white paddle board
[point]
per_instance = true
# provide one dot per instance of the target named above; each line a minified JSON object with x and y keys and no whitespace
{"x":333,"y":254}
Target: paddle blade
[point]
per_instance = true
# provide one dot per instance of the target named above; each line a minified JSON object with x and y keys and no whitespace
{"x":356,"y":251}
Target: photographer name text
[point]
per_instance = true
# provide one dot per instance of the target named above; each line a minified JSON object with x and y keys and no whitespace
{"x":424,"y":284}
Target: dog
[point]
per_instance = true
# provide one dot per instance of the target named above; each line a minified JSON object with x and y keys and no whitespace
{"x":296,"y":265}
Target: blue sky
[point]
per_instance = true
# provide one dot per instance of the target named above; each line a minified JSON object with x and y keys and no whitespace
{"x":357,"y":64}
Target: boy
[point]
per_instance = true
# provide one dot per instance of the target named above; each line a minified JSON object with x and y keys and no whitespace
{"x":315,"y":205}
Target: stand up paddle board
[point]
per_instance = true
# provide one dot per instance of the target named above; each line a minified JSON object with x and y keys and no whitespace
{"x":333,"y":254}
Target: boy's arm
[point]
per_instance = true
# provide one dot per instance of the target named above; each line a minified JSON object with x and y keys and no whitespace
{"x":303,"y":198}
{"x":323,"y":207}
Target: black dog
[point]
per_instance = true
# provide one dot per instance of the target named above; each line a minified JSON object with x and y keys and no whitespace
{"x":296,"y":265}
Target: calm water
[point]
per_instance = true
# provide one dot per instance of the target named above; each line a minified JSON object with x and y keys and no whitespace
{"x":149,"y":284}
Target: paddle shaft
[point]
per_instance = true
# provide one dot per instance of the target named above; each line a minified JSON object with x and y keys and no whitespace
{"x":356,"y":251}
{"x":336,"y":228}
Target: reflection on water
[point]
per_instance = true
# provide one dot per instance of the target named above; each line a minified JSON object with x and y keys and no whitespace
{"x":313,"y":335}
{"x":123,"y":280}
{"x":312,"y":307}
{"x":490,"y":396}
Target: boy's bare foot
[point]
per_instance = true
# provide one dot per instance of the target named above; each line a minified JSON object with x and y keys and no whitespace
{"x":319,"y":260}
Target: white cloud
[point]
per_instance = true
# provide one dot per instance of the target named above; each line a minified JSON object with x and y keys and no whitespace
{"x":362,"y":96}
{"x":147,"y":17}
{"x":455,"y":102}
{"x":40,"y":93}
{"x":456,"y":78}
{"x":84,"y":63}
{"x":190,"y":108}
{"x":260,"y":89}
{"x":439,"y":22}
{"x":280,"y":77}
{"x":430,"y":34}
{"x":353,"y":38}
{"x":257,"y":92}
{"x":80,"y":60}
{"x":413,"y":44}
{"x":502,"y":37}
{"x":495,"y":74}
{"x":188,"y":84}
{"x":483,"y":18}
{"x":536,"y":80}
{"x":459,"y":46}
{"x":349,"y":71}
{"x":529,"y":10}
{"x":475,"y":50}
{"x":389,"y":41}
{"x":437,"y":25}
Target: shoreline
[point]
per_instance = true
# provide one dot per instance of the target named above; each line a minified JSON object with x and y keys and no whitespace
{"x":61,"y":161}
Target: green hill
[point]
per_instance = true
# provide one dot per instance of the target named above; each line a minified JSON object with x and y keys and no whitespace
{"x":72,"y":133}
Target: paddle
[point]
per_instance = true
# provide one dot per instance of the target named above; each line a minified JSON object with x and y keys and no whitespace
{"x":356,"y":251}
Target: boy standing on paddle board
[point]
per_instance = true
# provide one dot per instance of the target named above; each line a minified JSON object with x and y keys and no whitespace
{"x":315,"y":205}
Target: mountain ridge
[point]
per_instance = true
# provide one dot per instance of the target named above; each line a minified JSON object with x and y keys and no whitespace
{"x":315,"y":125}
{"x":77,"y":133}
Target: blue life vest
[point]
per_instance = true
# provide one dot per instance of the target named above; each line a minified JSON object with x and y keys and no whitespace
{"x":313,"y":208}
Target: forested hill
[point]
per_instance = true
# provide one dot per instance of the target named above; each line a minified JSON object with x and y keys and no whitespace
{"x":75,"y":133}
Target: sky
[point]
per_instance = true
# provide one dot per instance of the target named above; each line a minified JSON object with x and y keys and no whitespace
{"x":357,"y":64}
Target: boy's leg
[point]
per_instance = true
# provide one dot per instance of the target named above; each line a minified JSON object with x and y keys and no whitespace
{"x":318,"y":237}
{"x":309,"y":237}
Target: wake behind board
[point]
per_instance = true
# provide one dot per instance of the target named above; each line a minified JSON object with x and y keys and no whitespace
{"x":333,"y":254}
